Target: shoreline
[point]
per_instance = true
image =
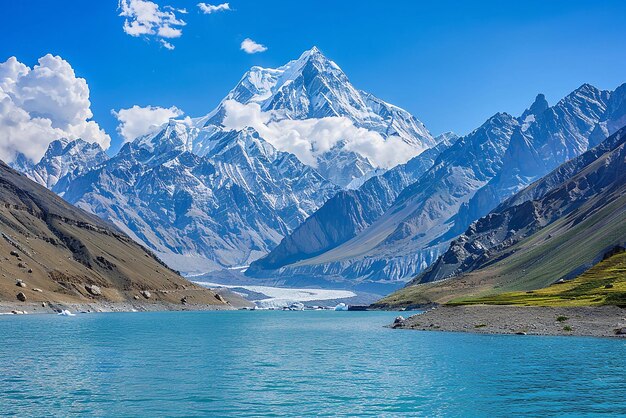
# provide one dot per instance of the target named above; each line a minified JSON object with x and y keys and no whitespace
{"x":600,"y":321}
{"x":35,"y":308}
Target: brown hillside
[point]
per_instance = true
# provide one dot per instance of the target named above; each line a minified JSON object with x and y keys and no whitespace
{"x":59,"y":251}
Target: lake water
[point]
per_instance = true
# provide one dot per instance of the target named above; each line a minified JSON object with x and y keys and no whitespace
{"x":269,"y":363}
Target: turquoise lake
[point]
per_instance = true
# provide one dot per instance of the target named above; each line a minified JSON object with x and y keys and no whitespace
{"x":270,"y":363}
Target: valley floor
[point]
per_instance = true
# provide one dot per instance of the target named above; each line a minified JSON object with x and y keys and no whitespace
{"x":600,"y":321}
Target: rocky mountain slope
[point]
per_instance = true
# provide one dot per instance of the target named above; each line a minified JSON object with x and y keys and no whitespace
{"x":553,"y":230}
{"x":200,"y":213}
{"x":466,"y":181}
{"x":53,"y":252}
{"x":349,"y":212}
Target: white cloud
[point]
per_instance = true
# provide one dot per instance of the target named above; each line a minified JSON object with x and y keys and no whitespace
{"x":137,"y":121}
{"x":181,"y":11}
{"x":167,"y":44}
{"x":207,"y":9}
{"x":145,"y":18}
{"x":42,"y":104}
{"x":251,"y":47}
{"x":307,"y":139}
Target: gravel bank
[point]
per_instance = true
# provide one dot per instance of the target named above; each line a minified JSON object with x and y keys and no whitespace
{"x":604,"y":321}
{"x":53,"y":308}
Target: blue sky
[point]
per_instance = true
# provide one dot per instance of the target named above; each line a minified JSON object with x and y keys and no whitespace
{"x":451,"y":64}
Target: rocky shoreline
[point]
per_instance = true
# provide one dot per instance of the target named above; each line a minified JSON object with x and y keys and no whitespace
{"x":602,"y":321}
{"x":17,"y":308}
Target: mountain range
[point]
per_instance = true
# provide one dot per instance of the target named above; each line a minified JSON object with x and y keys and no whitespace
{"x":220,"y":191}
{"x":465,"y":182}
{"x":310,"y":181}
{"x":551,"y":231}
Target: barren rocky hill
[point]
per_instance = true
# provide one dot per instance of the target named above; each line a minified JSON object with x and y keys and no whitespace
{"x":53,"y":252}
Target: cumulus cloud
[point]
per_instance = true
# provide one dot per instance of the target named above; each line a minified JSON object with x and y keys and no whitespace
{"x":137,"y":121}
{"x":251,"y":47}
{"x":145,"y":18}
{"x":207,"y":9}
{"x":307,"y":139}
{"x":42,"y":104}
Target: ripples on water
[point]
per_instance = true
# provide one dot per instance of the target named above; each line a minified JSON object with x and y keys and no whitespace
{"x":294,"y":364}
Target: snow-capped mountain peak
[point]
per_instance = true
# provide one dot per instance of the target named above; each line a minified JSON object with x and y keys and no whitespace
{"x":63,"y":157}
{"x":539,"y":106}
{"x":310,"y":89}
{"x":260,"y":84}
{"x":223,"y":194}
{"x":298,"y":105}
{"x":311,"y":86}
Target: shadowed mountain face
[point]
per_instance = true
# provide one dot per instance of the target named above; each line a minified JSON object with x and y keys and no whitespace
{"x":59,"y":252}
{"x":554,"y":229}
{"x":465,"y":182}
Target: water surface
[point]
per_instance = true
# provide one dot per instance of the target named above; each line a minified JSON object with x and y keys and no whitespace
{"x":268,"y":363}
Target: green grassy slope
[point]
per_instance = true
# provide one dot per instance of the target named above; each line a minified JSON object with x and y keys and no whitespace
{"x":563,"y":249}
{"x":603,"y":284}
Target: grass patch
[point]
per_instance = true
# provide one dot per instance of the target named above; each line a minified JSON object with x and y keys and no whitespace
{"x":603,"y":284}
{"x":480,"y":326}
{"x":567,"y":328}
{"x":561,"y":318}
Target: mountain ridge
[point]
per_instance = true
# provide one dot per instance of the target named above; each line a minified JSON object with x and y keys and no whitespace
{"x":392,"y":249}
{"x":553,"y":230}
{"x":562,"y":130}
{"x":363,"y":206}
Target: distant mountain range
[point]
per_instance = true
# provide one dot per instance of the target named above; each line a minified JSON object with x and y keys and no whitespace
{"x":218,"y":191}
{"x":64,"y":159}
{"x":466,"y":181}
{"x":310,"y":181}
{"x":553,"y":230}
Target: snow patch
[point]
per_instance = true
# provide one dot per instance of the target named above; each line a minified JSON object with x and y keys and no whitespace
{"x":278,"y":297}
